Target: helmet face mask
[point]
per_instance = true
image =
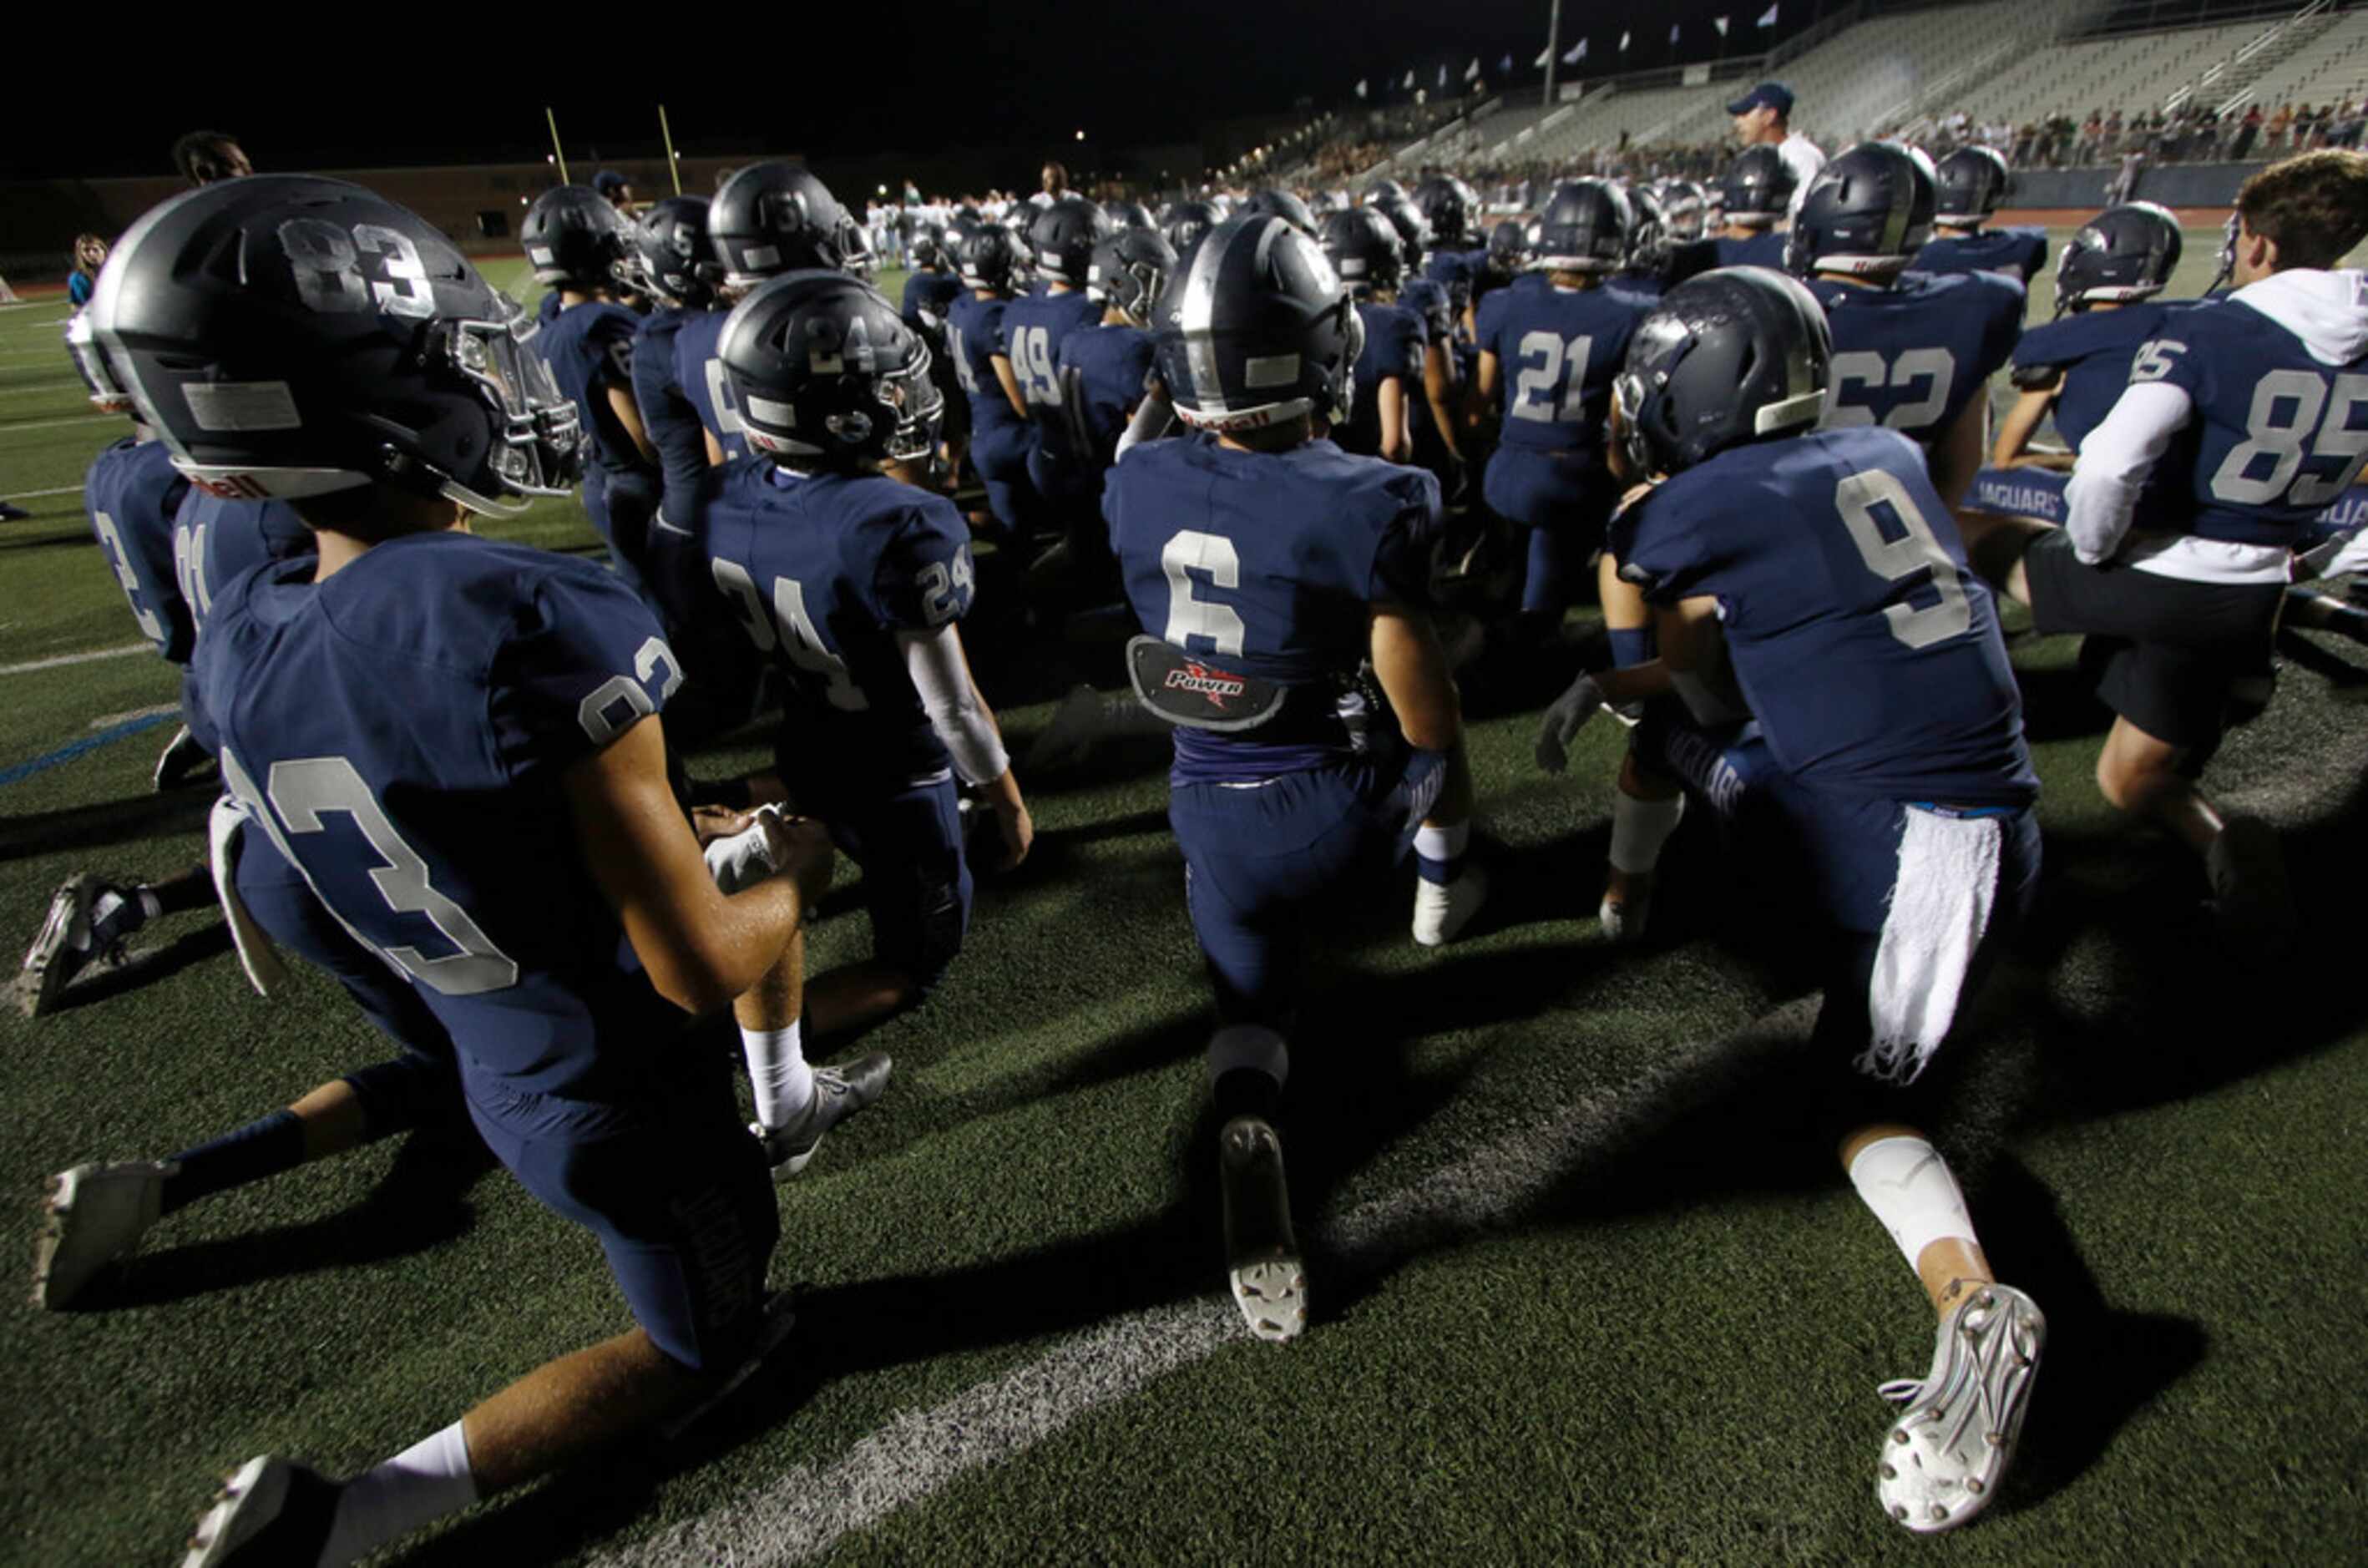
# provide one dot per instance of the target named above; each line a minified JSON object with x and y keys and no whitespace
{"x":826,"y":372}
{"x":290,"y":336}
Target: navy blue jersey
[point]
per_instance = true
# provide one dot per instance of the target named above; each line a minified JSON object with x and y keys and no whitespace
{"x":1270,"y":561}
{"x":824,"y":571}
{"x":546,"y":310}
{"x":1394,"y":346}
{"x":215,"y":540}
{"x":131,"y":494}
{"x":2092,"y":350}
{"x":591,"y":351}
{"x":974,"y":337}
{"x":1033,"y":330}
{"x":2275,"y":435}
{"x":1103,"y":369}
{"x":1557,"y":353}
{"x":400,"y":732}
{"x":1432,"y":305}
{"x":927,"y":297}
{"x":1765,"y":248}
{"x":668,"y":413}
{"x":699,"y":375}
{"x":1868,"y":650}
{"x":1642,"y":288}
{"x":1911,"y":357}
{"x":1457,"y":271}
{"x":2018,"y":253}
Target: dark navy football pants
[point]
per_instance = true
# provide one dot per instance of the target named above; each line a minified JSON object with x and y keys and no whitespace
{"x":673,"y":1185}
{"x":1262,"y":863}
{"x":1000,"y":452}
{"x":916,"y":881}
{"x":1564,"y":498}
{"x":622,"y":506}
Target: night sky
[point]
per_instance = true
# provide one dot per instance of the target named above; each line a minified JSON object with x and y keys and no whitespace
{"x":913,"y":80}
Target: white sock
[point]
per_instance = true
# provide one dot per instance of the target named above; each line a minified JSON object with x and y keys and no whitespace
{"x":1442,"y":844}
{"x":1907,"y":1185}
{"x":1639,"y":829}
{"x":778,"y":1071}
{"x":423,"y":1483}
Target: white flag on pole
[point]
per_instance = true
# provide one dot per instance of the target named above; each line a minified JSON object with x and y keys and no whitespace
{"x":1767,"y":18}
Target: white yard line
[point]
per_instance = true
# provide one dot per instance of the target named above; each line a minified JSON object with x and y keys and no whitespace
{"x":38,"y":495}
{"x":37,"y":387}
{"x":61,"y":660}
{"x":807,"y":1509}
{"x":7,"y":430}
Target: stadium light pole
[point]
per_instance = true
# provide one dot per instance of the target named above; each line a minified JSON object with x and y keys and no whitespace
{"x":673,"y":163}
{"x":558,"y":153}
{"x":1553,"y":46}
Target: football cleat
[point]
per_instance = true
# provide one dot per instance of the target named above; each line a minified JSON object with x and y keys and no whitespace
{"x":1623,"y":918}
{"x":839,"y":1092}
{"x":184,"y":764}
{"x":1262,"y":1261}
{"x":271,"y":1511}
{"x":779,"y":1320}
{"x":9,"y":514}
{"x":1443,"y":910}
{"x":94,"y":1215}
{"x":2249,"y":879}
{"x":85,"y":922}
{"x":1943,"y":1458}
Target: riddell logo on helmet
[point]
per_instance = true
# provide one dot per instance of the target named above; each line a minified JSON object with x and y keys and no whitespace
{"x":1214,"y":685}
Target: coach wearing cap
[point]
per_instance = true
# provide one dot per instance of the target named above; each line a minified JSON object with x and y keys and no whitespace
{"x":1764,"y":115}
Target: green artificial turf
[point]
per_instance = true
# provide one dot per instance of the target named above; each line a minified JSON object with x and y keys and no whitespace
{"x":1583,"y":1293}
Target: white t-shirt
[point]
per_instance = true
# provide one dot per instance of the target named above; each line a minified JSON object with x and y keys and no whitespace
{"x":1801,"y":156}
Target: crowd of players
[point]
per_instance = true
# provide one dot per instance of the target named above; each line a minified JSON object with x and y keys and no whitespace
{"x":1319,"y":465}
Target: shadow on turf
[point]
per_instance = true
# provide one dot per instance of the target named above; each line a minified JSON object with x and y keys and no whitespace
{"x":109,"y":822}
{"x":147,"y":967}
{"x":421,"y":1202}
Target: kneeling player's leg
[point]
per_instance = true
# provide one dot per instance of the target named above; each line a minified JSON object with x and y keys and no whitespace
{"x":917,"y":891}
{"x":1996,"y":544}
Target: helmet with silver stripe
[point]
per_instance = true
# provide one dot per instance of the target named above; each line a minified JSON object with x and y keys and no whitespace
{"x":1727,"y":358}
{"x":1254,"y":330}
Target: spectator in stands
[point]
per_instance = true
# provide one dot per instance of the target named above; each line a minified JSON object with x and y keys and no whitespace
{"x":2247,"y":133}
{"x":205,"y":156}
{"x":1764,"y":115}
{"x":616,"y":187}
{"x":89,"y":255}
{"x":1055,"y":179}
{"x":2281,"y":126}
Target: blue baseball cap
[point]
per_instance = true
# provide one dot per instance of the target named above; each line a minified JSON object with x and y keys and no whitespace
{"x":1774,"y":95}
{"x":608,"y":182}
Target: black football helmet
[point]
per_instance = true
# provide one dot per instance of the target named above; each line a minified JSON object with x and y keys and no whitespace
{"x":1128,"y":215}
{"x":1684,"y":213}
{"x":1449,"y":207}
{"x":574,"y":237}
{"x":1414,"y":232}
{"x":1727,"y":357}
{"x":826,"y":369}
{"x":671,"y":258}
{"x":1757,"y":188}
{"x":1649,"y":233}
{"x":1283,"y":205}
{"x":288,"y":335}
{"x":1187,"y":221}
{"x":1254,"y":329}
{"x":1865,"y":214}
{"x":1508,"y":248}
{"x":1588,"y":226}
{"x":1363,"y":245}
{"x":774,"y":218}
{"x":1062,"y":239}
{"x":2123,"y":252}
{"x":1130,"y":270}
{"x":1384,"y":190}
{"x":1968,"y":186}
{"x":928,"y":248}
{"x":988,"y":258}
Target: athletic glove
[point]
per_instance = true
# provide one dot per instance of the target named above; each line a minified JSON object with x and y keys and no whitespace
{"x":1563,"y":720}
